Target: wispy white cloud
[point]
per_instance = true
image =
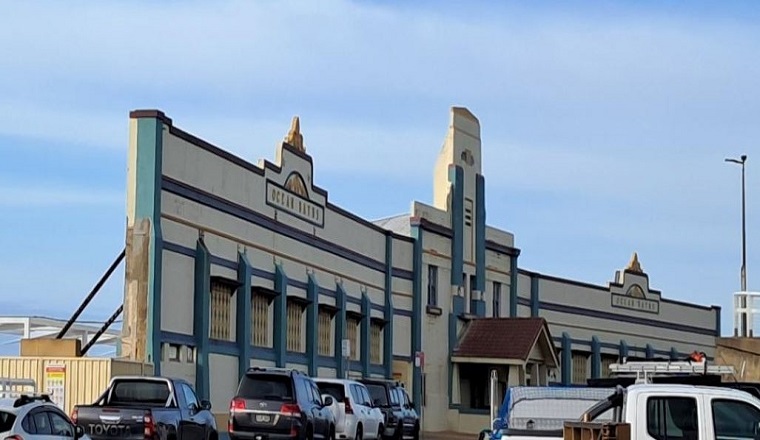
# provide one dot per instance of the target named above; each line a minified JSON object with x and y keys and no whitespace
{"x":31,"y":195}
{"x":630,"y":113}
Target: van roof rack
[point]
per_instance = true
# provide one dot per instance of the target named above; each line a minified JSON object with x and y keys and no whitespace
{"x":644,"y":370}
{"x":25,"y":399}
{"x":278,"y":369}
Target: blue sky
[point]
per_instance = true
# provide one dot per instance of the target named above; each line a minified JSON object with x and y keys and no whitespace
{"x":604,"y":124}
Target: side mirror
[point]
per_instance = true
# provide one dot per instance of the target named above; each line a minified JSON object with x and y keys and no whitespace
{"x":78,"y":432}
{"x":328,"y":400}
{"x":206,"y":404}
{"x":376,"y":402}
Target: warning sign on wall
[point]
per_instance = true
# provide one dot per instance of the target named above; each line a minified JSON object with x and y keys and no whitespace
{"x":55,"y":383}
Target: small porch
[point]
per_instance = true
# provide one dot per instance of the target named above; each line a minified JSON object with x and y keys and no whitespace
{"x":519,"y":350}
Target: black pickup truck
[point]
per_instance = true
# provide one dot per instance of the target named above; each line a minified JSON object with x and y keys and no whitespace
{"x":147,"y":408}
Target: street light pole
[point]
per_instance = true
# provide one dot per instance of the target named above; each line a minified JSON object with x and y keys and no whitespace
{"x":741,"y":162}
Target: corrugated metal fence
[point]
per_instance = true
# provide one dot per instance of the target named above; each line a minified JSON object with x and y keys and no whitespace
{"x":71,"y":381}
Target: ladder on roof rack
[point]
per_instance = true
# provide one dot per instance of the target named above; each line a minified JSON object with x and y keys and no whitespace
{"x":645,"y":370}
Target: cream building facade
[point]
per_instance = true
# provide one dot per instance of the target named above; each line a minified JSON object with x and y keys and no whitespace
{"x":232,"y":264}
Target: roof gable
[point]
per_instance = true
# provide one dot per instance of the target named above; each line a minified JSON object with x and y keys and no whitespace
{"x":504,"y":338}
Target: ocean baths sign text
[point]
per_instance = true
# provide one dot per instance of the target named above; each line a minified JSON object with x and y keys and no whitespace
{"x":280,"y":198}
{"x":633,"y":303}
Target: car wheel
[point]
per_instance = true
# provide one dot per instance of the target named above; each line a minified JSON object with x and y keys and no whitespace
{"x":359,"y":432}
{"x":380,"y":431}
{"x":416,"y":434}
{"x":309,"y":433}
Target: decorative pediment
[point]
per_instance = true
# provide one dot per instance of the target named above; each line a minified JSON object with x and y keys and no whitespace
{"x":289,"y":182}
{"x":630,"y":290}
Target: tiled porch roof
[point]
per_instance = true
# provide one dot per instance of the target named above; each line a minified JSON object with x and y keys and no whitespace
{"x":501,"y":338}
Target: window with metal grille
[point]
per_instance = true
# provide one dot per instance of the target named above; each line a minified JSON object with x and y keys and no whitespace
{"x":294,"y":337}
{"x":580,"y":368}
{"x":376,"y":343}
{"x":496,"y":299}
{"x":352,"y":334}
{"x":325,"y":333}
{"x":607,"y":360}
{"x":432,"y":285}
{"x":221,"y":295}
{"x":260,"y":321}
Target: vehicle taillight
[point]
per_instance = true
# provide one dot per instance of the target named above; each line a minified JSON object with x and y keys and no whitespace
{"x":291,"y":409}
{"x":237,"y":404}
{"x":74,"y":415}
{"x":349,"y":408}
{"x":14,"y":437}
{"x":150,"y":426}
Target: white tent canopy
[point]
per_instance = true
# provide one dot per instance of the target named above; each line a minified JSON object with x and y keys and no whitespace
{"x":31,"y":327}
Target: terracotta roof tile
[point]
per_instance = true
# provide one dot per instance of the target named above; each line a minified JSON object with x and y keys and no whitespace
{"x":500,"y":338}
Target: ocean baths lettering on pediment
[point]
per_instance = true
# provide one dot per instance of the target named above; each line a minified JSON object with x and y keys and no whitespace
{"x":635,"y":303}
{"x":293,"y":199}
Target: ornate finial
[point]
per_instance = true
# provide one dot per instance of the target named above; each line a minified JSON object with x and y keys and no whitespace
{"x":634,"y":265}
{"x":294,"y":136}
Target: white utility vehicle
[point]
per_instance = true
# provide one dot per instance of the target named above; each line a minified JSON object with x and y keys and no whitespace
{"x":356,"y":418}
{"x":662,"y":410}
{"x":35,"y":418}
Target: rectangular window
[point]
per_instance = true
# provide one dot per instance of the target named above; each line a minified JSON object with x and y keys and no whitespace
{"x":672,"y":418}
{"x":580,"y":367}
{"x":260,"y":320}
{"x":325,"y":333}
{"x":473,"y":295}
{"x":432,"y":292}
{"x":294,"y":338}
{"x":352,"y":334}
{"x":496,"y":299}
{"x":221,"y":295}
{"x":171,"y":352}
{"x":607,"y":360}
{"x":376,"y":343}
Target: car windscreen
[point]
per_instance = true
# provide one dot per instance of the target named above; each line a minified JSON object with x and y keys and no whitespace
{"x":336,"y":390}
{"x":139,"y":392}
{"x":6,"y":421}
{"x":378,"y":394}
{"x":266,"y":387}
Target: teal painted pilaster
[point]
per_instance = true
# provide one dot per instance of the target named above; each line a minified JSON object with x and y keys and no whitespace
{"x":567,"y":359}
{"x":312,"y":325}
{"x":513,"y":286}
{"x":202,"y":316}
{"x":147,"y":169}
{"x":534,"y":296}
{"x":623,"y":350}
{"x":417,"y":314}
{"x":457,"y":309}
{"x":280,"y":315}
{"x":366,"y":312}
{"x":243,"y":314}
{"x":673,"y":354}
{"x":340,"y":330}
{"x":717,"y":321}
{"x":596,"y":358}
{"x":480,"y":235}
{"x":388,"y":308}
{"x":456,"y":178}
{"x":650,"y":351}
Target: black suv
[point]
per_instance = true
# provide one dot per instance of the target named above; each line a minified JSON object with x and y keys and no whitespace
{"x":278,"y":404}
{"x":401,"y":419}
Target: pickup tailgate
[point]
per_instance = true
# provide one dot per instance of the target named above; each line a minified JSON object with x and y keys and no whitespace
{"x":127,"y":410}
{"x":102,"y":422}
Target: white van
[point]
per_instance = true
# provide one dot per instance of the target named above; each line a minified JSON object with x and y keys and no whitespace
{"x":356,"y":418}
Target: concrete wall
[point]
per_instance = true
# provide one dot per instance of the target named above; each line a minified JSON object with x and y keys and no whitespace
{"x":217,"y":216}
{"x":196,"y":213}
{"x":741,"y":353}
